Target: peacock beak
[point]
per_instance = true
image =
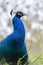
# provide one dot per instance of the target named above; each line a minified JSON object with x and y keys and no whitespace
{"x":24,"y":14}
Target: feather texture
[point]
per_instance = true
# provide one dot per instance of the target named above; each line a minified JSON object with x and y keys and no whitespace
{"x":13,"y":47}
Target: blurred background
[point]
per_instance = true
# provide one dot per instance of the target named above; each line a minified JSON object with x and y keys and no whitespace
{"x":33,"y":23}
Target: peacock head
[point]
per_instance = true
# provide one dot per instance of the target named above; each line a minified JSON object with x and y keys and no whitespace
{"x":18,"y":13}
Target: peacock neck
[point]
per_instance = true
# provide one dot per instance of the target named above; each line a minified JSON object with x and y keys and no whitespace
{"x":18,"y":25}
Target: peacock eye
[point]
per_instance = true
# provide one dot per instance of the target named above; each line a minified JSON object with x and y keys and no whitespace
{"x":19,"y":14}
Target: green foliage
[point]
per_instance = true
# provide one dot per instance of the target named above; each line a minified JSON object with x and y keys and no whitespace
{"x":36,"y":60}
{"x":33,"y":60}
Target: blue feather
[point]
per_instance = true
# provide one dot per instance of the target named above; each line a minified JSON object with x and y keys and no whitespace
{"x":13,"y":47}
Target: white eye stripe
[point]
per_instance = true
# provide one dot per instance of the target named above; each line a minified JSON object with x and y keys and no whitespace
{"x":19,"y":14}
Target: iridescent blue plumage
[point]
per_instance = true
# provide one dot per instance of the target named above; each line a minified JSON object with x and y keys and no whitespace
{"x":13,"y":47}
